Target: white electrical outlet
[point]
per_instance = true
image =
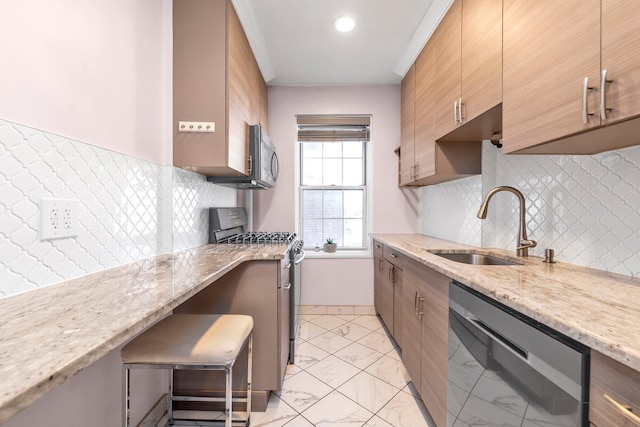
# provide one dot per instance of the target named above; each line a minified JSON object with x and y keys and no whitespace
{"x":59,"y":218}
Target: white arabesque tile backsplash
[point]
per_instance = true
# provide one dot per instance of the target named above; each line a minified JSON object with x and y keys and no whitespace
{"x":584,"y":207}
{"x":130,"y":209}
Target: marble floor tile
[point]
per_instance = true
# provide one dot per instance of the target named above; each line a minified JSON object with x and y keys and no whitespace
{"x":333,"y":371}
{"x":328,"y":322}
{"x":368,"y":391}
{"x":351,"y":331}
{"x":377,"y":341}
{"x":330,"y":342}
{"x":337,"y":410}
{"x":406,"y":410}
{"x":349,"y":372}
{"x":390,"y":370}
{"x":309,"y":330}
{"x":299,"y":421}
{"x":369,"y":322}
{"x":376,"y":421}
{"x":302,"y":390}
{"x":358,"y":355}
{"x":308,"y":355}
{"x":278,"y":413}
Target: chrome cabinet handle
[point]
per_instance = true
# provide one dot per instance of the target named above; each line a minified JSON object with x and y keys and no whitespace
{"x":626,"y":411}
{"x":379,"y":262}
{"x":455,"y":112}
{"x":394,"y":256}
{"x":603,"y":93}
{"x":421,"y":306}
{"x":378,"y":246}
{"x":415,"y":303}
{"x":389,"y":274}
{"x":460,"y":111}
{"x":585,"y":108}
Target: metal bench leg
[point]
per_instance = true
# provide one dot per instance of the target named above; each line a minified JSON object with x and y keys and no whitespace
{"x":126,"y":409}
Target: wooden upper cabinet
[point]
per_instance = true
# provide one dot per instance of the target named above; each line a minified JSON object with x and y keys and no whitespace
{"x":423,"y":160}
{"x":215,"y":79}
{"x":481,"y":58}
{"x":555,"y":98}
{"x":550,"y":47}
{"x":621,"y":58}
{"x":424,"y":147}
{"x":407,"y":130}
{"x":448,"y":53}
{"x":468,"y":44}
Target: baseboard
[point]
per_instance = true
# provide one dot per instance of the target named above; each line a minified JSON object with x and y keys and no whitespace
{"x":338,"y":309}
{"x":155,"y":414}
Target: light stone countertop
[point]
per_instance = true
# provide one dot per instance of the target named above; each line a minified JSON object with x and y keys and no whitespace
{"x":49,"y":334}
{"x":596,"y":308}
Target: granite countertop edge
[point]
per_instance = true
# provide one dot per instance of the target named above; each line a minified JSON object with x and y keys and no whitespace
{"x":51,"y":314}
{"x":593,"y":307}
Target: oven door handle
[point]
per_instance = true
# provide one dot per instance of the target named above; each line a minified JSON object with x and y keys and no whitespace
{"x":299,"y":259}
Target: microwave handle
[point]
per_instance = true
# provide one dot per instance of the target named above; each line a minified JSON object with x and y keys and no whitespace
{"x":275,"y":174}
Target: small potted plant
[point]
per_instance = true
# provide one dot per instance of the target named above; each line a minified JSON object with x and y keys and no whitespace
{"x":330,"y":246}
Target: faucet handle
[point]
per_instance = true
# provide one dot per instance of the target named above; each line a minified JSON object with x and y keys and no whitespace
{"x":527,"y":244}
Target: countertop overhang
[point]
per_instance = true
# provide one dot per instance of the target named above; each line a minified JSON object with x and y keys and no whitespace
{"x":49,"y":334}
{"x":594,"y":307}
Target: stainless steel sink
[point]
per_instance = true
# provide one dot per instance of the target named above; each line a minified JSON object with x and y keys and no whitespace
{"x":475,"y":258}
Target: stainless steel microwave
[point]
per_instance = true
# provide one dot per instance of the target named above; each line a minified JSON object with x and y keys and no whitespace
{"x":264,"y":166}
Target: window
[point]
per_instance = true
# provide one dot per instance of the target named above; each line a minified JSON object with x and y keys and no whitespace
{"x":333,"y":180}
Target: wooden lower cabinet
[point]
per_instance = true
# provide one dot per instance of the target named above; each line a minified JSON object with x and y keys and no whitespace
{"x":387,"y":288}
{"x":425,"y":329}
{"x":413,"y":301}
{"x":614,"y":393}
{"x":257,"y":288}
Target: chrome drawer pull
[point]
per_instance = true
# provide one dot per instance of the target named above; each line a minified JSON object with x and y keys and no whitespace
{"x":585,"y":108}
{"x":455,"y":112}
{"x":624,"y":410}
{"x":603,"y":98}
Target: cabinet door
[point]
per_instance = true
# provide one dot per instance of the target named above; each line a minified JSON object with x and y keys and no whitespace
{"x":448,"y":45}
{"x":614,"y":393}
{"x":411,"y":330}
{"x":398,"y":306}
{"x":378,"y":279}
{"x":549,"y":47}
{"x":621,"y":58}
{"x":387,"y":294}
{"x":481,"y":67}
{"x":434,"y":343}
{"x":407,"y":132}
{"x":241,"y":98}
{"x":424,"y":149}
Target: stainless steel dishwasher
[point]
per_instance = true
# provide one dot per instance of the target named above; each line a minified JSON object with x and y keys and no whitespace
{"x":506,"y":369}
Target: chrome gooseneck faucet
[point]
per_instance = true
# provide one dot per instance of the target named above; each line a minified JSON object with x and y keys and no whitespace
{"x":523,"y":244}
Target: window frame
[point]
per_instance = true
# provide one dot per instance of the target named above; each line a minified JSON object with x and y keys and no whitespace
{"x":366,"y":189}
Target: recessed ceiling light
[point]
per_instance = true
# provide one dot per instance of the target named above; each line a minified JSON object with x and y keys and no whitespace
{"x":344,"y":24}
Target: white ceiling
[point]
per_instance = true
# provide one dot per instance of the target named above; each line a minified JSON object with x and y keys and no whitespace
{"x":296,"y":45}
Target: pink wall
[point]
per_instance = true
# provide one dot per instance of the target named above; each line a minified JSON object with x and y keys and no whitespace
{"x":98,"y":72}
{"x":95,"y":71}
{"x":394,"y":210}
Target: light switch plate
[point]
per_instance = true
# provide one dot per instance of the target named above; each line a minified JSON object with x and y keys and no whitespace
{"x":59,"y":218}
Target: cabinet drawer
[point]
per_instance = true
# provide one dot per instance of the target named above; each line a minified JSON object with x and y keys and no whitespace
{"x":393,"y":256}
{"x":614,"y":393}
{"x":432,"y":283}
{"x":377,"y":248}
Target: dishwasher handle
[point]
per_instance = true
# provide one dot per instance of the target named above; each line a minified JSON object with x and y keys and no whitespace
{"x":500,"y":339}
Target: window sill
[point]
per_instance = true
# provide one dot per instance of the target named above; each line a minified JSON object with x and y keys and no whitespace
{"x":311,"y":253}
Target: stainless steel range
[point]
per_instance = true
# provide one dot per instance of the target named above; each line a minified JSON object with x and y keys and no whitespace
{"x":228,"y":226}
